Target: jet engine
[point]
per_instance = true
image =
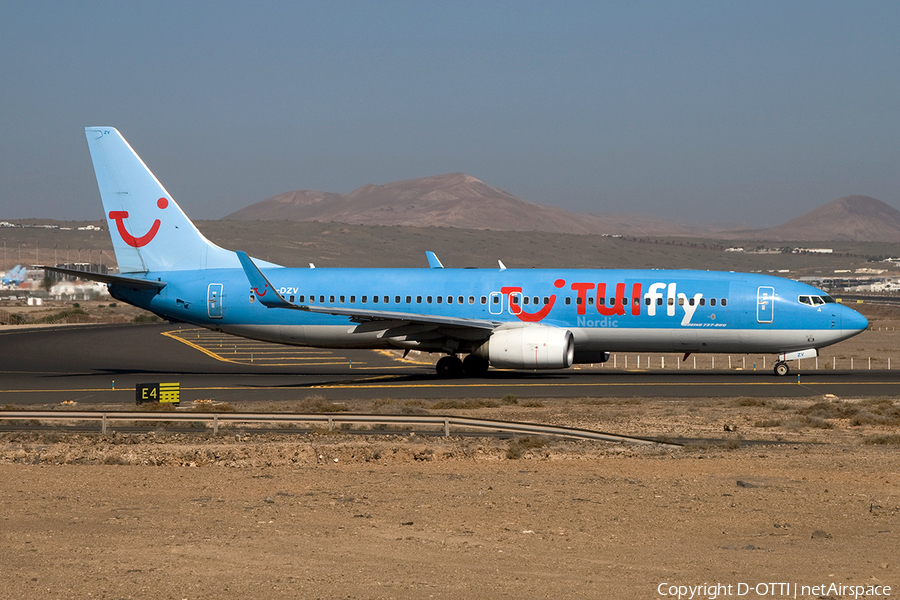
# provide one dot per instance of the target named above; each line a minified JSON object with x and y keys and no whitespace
{"x":533,"y":347}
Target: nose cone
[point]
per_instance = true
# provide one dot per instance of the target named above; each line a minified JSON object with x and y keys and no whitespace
{"x":852,"y":322}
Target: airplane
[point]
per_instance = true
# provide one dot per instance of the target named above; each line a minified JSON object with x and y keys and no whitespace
{"x":16,"y":275}
{"x":502,"y":318}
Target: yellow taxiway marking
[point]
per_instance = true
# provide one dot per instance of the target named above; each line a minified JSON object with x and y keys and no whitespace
{"x":245,"y":353}
{"x":455,"y":384}
{"x":507,"y":384}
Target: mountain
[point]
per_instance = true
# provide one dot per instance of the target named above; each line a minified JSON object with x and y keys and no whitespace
{"x":452,"y":200}
{"x":851,"y":218}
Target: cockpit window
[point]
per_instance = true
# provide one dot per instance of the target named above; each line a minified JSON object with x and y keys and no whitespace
{"x":816,"y":300}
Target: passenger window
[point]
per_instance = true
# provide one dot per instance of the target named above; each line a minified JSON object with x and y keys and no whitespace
{"x":409,"y":299}
{"x":364,"y":299}
{"x":535,"y":300}
{"x":342,"y":298}
{"x":681,"y":302}
{"x":461,"y":300}
{"x":712,"y":301}
{"x":496,"y":299}
{"x":590,"y":301}
{"x":396,"y":299}
{"x":671,"y":302}
{"x":387,"y":300}
{"x":374,"y":299}
{"x":440,"y":299}
{"x":601,"y":301}
{"x":418,"y":299}
{"x":702,"y":301}
{"x":484,"y":299}
{"x":659,"y":301}
{"x":471,"y":299}
{"x":449,"y":299}
{"x":352,"y":299}
{"x":301,"y":299}
{"x":525,"y":300}
{"x":331,"y":299}
{"x":724,"y":302}
{"x":624,"y":301}
{"x":637,"y":301}
{"x":253,"y":298}
{"x":290,"y":299}
{"x":568,"y":300}
{"x":690,"y":301}
{"x":647,"y":301}
{"x":428,"y":299}
{"x":612,"y":301}
{"x":321,"y":299}
{"x":546,"y":300}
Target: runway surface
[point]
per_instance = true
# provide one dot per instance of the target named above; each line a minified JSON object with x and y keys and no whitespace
{"x":102,"y":364}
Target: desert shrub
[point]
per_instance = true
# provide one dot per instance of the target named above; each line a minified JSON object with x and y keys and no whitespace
{"x":520,"y":445}
{"x":465,"y":404}
{"x":890,"y":439}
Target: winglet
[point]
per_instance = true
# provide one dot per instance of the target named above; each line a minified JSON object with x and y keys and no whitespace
{"x":502,"y":266}
{"x":265,"y":292}
{"x":433,"y":261}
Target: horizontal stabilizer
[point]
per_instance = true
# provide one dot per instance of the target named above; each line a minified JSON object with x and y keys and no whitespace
{"x":131,"y":282}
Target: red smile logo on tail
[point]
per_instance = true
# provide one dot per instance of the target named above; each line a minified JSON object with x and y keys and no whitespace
{"x":136,"y":242}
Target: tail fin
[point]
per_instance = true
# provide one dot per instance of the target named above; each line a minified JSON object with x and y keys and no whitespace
{"x":149,"y":230}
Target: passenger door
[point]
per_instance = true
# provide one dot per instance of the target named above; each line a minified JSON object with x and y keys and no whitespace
{"x":214,"y":301}
{"x":765,"y":304}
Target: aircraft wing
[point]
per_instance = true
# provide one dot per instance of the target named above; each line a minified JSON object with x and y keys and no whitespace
{"x":138,"y":284}
{"x":269,"y":297}
{"x":360,"y":315}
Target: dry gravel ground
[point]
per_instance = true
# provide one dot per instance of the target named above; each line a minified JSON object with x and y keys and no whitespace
{"x":252,"y":515}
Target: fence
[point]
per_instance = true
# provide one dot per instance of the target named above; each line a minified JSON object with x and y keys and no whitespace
{"x":214,"y":420}
{"x":752,"y":362}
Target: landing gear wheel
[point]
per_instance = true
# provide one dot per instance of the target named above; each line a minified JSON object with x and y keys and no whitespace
{"x":475,"y":366}
{"x":782,"y":369}
{"x":449,"y":366}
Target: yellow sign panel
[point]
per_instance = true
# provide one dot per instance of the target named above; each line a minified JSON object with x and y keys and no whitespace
{"x":158,"y":392}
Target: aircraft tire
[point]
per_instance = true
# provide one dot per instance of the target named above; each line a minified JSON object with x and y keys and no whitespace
{"x":475,"y":366}
{"x":782,"y":369}
{"x":449,"y":367}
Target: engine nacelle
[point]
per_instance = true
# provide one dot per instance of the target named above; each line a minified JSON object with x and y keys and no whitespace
{"x":534,"y":347}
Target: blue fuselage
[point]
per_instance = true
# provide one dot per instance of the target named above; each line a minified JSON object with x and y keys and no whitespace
{"x":606,"y":310}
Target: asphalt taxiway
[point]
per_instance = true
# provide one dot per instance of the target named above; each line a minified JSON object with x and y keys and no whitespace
{"x":102,"y":364}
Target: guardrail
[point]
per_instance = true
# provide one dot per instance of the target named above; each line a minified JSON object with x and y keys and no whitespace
{"x":331,"y":420}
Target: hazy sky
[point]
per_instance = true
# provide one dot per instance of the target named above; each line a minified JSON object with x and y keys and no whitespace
{"x":746,"y":112}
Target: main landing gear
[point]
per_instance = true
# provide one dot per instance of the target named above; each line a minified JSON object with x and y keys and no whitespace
{"x":451,"y":366}
{"x":782,"y":368}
